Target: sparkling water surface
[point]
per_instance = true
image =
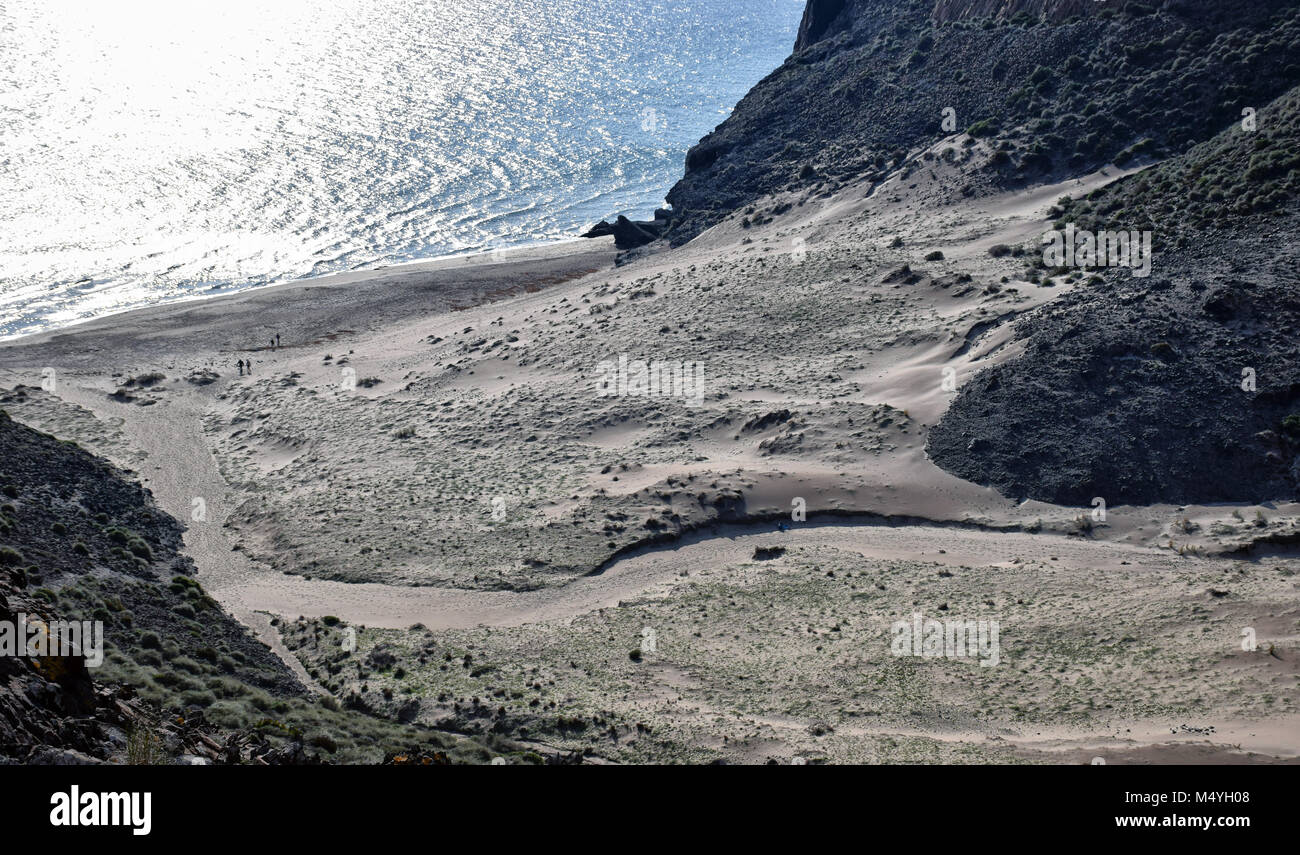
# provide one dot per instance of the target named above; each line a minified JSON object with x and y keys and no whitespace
{"x":150,"y":151}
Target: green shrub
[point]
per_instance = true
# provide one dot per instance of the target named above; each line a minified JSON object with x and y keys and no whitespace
{"x":146,"y":379}
{"x":198,"y":697}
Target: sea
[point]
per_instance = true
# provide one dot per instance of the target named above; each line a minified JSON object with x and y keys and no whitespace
{"x":160,"y":151}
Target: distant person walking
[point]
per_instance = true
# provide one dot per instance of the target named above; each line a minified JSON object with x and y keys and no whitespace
{"x":240,"y":363}
{"x":277,"y":340}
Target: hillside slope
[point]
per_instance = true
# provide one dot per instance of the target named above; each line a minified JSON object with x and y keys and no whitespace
{"x":180,"y":679}
{"x":1139,"y":390}
{"x":1060,"y":86}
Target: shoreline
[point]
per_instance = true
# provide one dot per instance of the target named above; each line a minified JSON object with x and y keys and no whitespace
{"x":435,"y":262}
{"x":322,"y":305}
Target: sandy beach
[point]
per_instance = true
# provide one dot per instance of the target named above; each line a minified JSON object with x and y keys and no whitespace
{"x":426,"y":455}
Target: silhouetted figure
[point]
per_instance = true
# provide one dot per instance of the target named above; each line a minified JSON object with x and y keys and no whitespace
{"x":277,"y":340}
{"x":240,"y":363}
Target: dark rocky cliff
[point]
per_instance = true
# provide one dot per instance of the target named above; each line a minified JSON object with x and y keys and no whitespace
{"x":1051,"y":10}
{"x":1062,"y":86}
{"x":824,"y":18}
{"x":818,"y":18}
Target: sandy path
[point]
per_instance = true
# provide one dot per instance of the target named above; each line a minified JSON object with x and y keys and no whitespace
{"x":171,"y":434}
{"x":654,"y":570}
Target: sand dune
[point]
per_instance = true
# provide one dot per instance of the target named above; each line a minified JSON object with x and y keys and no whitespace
{"x":428,"y":447}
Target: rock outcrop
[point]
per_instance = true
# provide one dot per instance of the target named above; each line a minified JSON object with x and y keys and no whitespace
{"x":630,"y":234}
{"x":1050,"y":10}
{"x":818,"y":18}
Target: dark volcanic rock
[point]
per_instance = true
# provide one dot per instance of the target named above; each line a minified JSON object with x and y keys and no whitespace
{"x":1181,"y":387}
{"x":1051,"y":10}
{"x":630,"y":234}
{"x":818,"y":16}
{"x":1137,"y":400}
